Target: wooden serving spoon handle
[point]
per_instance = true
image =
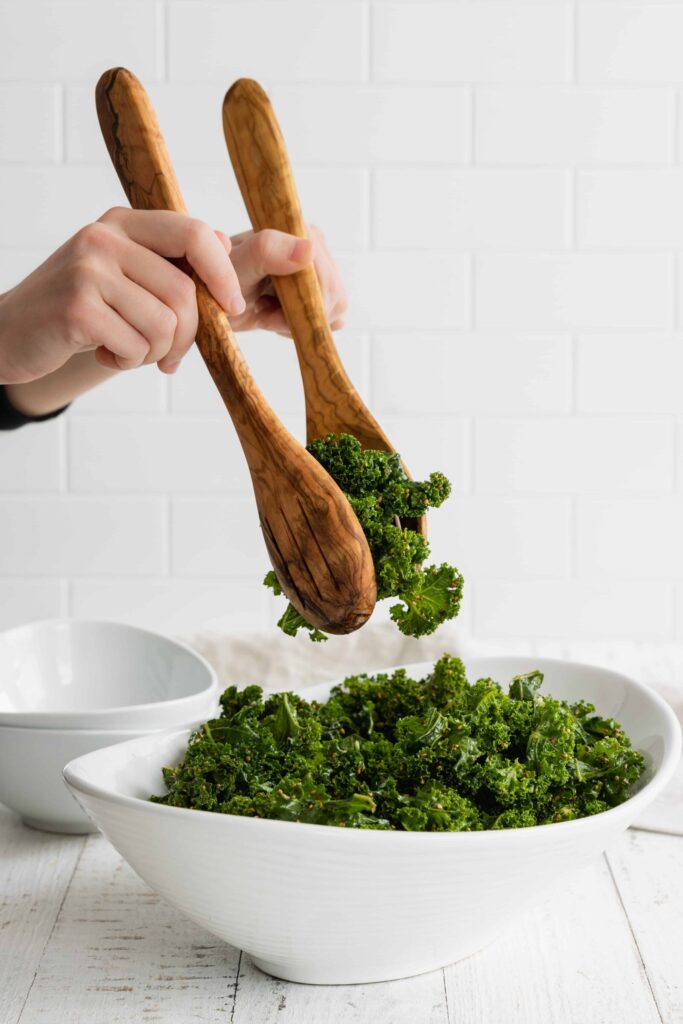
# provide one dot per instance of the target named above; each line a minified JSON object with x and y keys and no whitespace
{"x":315,"y":541}
{"x":139,"y":155}
{"x":264,"y":173}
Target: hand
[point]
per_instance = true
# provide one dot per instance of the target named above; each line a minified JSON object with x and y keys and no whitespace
{"x":111,"y":288}
{"x":257,"y":255}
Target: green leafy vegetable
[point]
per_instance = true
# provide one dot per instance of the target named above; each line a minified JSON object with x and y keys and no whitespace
{"x":391,"y":752}
{"x":381,"y":494}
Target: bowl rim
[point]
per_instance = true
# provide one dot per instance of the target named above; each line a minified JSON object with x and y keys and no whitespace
{"x":140,"y":733}
{"x":671,"y":736}
{"x":93,"y":717}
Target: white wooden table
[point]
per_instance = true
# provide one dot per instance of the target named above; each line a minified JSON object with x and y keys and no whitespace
{"x":84,"y":941}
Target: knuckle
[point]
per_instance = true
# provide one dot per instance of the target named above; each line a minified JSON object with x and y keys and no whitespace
{"x":113,"y":215}
{"x":265,"y":241}
{"x":186,"y":291}
{"x":79,"y":312}
{"x":225,"y":239}
{"x":165,"y":322}
{"x":266,"y":246}
{"x":197,"y":232}
{"x":83,"y":275}
{"x":90,"y":240}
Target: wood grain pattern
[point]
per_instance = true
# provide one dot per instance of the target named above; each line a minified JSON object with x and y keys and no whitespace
{"x":120,"y":954}
{"x":647,"y":869}
{"x":36,"y":869}
{"x":570,"y":959}
{"x":267,"y":1000}
{"x":266,"y":180}
{"x":314,"y":540}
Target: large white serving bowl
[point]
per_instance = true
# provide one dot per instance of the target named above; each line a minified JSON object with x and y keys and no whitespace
{"x":329,"y":905}
{"x":72,"y":674}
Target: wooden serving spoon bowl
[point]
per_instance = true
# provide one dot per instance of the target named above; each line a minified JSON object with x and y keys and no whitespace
{"x":315,"y":542}
{"x":264,"y":173}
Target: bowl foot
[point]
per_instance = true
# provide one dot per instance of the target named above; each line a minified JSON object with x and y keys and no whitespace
{"x":335,"y":976}
{"x":63,"y":828}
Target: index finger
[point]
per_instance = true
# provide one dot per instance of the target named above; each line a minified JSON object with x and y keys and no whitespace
{"x":173,"y":235}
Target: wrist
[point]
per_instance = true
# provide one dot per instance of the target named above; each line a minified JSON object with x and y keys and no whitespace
{"x":58,"y":389}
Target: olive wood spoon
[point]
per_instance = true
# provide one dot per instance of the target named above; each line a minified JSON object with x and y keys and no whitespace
{"x":266,"y":180}
{"x":315,"y":542}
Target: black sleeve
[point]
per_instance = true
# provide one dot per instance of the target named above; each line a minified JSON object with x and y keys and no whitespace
{"x":11,"y":418}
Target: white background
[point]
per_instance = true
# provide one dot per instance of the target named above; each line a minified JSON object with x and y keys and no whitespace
{"x":502,"y":183}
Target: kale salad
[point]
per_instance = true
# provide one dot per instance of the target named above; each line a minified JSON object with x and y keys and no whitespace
{"x":438,"y":754}
{"x":381,"y":495}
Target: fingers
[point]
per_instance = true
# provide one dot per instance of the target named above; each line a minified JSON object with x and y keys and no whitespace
{"x":173,"y":235}
{"x":151,"y":318}
{"x":158,"y":301}
{"x":269,"y":315}
{"x":118,"y":345}
{"x":331,"y":283}
{"x":225,"y":240}
{"x":271,"y":318}
{"x":174,"y":290}
{"x":258,"y":255}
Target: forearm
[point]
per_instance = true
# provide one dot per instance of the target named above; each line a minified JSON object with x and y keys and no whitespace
{"x":47,"y":394}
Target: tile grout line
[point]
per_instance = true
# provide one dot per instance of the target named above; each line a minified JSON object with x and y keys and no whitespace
{"x":574,"y":44}
{"x":371,"y":191}
{"x":472,"y":454}
{"x":673,"y":611}
{"x":166,"y":533}
{"x":676,"y":479}
{"x":572,"y":247}
{"x":61,"y":133}
{"x":471,"y":122}
{"x":677,"y":111}
{"x":164,"y":41}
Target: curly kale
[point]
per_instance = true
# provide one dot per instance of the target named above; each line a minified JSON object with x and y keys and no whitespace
{"x":381,"y":495}
{"x":437,"y":754}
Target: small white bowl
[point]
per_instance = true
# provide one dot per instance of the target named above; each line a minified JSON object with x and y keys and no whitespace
{"x":31,"y":781}
{"x":72,"y":674}
{"x":327,"y":905}
{"x":68,"y":687}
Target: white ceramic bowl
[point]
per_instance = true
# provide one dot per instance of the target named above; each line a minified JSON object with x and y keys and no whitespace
{"x":70,"y":674}
{"x":31,"y":781}
{"x":320,"y":904}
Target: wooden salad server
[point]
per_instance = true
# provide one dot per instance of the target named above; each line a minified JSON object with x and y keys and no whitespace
{"x":264,"y":174}
{"x":315,"y":542}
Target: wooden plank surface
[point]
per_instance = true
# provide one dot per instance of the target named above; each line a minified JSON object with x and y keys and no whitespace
{"x":648,"y":871}
{"x":572,"y":959}
{"x":266,"y":1000}
{"x":119,"y":954}
{"x":35,"y":871}
{"x":83,"y":939}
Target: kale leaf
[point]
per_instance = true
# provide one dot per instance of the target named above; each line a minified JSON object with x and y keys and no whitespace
{"x":381,"y":494}
{"x":387,"y":751}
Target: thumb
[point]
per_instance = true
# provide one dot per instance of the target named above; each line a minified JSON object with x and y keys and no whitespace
{"x":275,"y":252}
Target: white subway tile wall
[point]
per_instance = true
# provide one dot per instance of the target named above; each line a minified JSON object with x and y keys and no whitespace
{"x":503,"y":185}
